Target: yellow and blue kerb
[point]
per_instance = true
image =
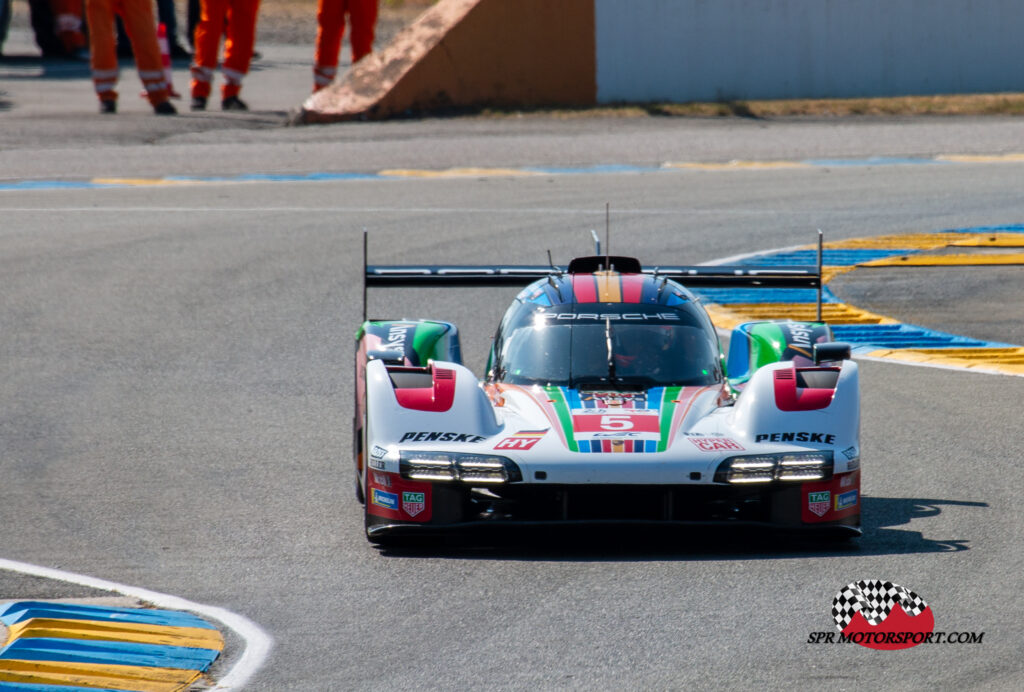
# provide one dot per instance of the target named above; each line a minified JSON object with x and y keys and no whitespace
{"x":66,"y":647}
{"x":873,"y":335}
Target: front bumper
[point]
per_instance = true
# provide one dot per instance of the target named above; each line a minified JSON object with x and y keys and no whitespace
{"x":832,"y":505}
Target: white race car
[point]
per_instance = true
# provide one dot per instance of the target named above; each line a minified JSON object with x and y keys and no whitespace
{"x":607,"y":398}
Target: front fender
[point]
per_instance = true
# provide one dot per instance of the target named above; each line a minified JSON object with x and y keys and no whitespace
{"x":442,"y":403}
{"x":768,"y":413}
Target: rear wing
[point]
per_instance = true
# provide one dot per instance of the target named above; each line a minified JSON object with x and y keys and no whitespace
{"x":698,"y":276}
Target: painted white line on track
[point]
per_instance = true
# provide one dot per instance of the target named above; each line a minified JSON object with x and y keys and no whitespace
{"x":705,"y":211}
{"x":739,"y":258}
{"x":257,"y":642}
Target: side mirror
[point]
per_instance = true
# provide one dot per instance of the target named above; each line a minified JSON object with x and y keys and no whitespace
{"x":389,"y":357}
{"x":831,"y":351}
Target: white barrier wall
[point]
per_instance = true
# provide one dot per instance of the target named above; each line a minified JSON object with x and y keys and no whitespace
{"x":710,"y":50}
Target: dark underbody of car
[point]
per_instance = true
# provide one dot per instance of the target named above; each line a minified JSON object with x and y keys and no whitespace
{"x":775,"y":507}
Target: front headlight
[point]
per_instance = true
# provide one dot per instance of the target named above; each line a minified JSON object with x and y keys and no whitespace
{"x":766,"y":468}
{"x":468,"y":468}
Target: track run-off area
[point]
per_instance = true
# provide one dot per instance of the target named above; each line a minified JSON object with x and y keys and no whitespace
{"x":176,"y":398}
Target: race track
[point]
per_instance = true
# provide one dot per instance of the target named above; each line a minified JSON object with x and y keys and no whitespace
{"x":176,"y":403}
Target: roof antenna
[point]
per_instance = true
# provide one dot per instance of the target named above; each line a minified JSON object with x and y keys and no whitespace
{"x":821,"y":281}
{"x":597,"y":242}
{"x":551,"y":263}
{"x":607,"y":237}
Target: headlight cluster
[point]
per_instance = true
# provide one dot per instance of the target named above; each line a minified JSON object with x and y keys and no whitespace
{"x":766,"y":468}
{"x":468,"y":468}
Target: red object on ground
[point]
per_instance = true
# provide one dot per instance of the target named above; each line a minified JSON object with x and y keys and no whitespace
{"x":165,"y":59}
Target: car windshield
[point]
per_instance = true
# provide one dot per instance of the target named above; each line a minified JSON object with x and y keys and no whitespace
{"x":610,"y":352}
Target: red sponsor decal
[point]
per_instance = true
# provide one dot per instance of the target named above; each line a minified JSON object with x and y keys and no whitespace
{"x":611,"y":422}
{"x":392,"y":497}
{"x":715,"y":444}
{"x":830,"y":500}
{"x":517,"y":443}
{"x":818,"y":503}
{"x":524,"y":439}
{"x":414,"y":503}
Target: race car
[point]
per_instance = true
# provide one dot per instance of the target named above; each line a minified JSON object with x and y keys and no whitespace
{"x":607,"y":398}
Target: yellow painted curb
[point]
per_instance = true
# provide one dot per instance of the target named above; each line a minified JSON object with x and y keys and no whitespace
{"x":833,"y":313}
{"x":971,"y":158}
{"x":829,"y":273}
{"x":116,"y":677}
{"x":140,"y":181}
{"x":195,"y":637}
{"x":1004,"y":360}
{"x":946,"y":260}
{"x":908,"y":241}
{"x":723,"y":318}
{"x":992,"y":240}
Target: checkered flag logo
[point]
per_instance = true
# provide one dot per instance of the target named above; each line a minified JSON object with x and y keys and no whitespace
{"x":874,"y":600}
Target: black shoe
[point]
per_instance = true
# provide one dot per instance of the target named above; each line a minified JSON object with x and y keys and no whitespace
{"x":233,"y":103}
{"x":165,"y":108}
{"x":199,"y":103}
{"x":108,"y":106}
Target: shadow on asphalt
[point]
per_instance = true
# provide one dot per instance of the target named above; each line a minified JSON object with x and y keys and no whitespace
{"x":618,"y":544}
{"x":15,"y":67}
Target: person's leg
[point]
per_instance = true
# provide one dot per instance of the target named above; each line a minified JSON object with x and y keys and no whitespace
{"x":103,"y":52}
{"x":140,"y":24}
{"x":238,"y":48}
{"x":362,"y":14}
{"x":330,"y":18}
{"x":204,"y":60}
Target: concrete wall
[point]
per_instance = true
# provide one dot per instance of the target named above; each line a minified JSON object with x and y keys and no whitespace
{"x":470,"y":54}
{"x":707,"y":50}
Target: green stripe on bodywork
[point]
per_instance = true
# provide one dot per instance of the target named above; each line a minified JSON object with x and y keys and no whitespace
{"x":668,"y":409}
{"x":767,"y":344}
{"x":425,"y":338}
{"x":564,"y":416}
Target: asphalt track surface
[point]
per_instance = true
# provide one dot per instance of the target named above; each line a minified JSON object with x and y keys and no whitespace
{"x":176,"y":397}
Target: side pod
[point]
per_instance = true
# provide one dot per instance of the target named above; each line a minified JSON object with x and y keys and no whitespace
{"x":408,"y":343}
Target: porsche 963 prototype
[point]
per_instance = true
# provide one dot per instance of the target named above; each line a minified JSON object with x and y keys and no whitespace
{"x":606,"y":398}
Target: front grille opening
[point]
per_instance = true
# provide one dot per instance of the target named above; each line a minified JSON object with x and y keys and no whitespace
{"x":620,"y":503}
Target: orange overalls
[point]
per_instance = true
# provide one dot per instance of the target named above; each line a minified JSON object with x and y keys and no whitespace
{"x":140,"y":25}
{"x":330,"y":17}
{"x":238,"y":46}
